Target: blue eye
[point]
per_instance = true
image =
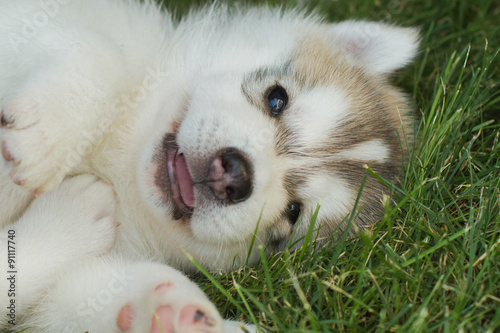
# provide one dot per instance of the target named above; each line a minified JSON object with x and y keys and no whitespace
{"x":277,"y":100}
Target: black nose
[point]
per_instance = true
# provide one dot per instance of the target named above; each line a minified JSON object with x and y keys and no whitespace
{"x":230,"y":176}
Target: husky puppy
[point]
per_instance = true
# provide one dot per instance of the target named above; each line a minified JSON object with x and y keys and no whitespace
{"x":131,"y":141}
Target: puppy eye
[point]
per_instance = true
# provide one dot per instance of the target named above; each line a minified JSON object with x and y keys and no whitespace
{"x":277,"y":100}
{"x":293,"y":212}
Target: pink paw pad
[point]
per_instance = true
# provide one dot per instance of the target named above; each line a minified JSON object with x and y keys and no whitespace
{"x":125,"y":318}
{"x":164,"y":287}
{"x":162,"y":320}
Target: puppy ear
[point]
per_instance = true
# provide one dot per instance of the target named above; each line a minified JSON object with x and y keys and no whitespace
{"x":380,"y":48}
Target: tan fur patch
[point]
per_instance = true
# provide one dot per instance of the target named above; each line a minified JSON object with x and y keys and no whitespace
{"x":377,"y":107}
{"x":378,"y":111}
{"x":375,"y":112}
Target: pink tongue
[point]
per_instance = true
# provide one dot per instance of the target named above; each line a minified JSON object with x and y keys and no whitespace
{"x":186,"y":184}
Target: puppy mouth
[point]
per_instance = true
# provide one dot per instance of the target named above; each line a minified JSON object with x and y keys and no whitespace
{"x":174,"y":179}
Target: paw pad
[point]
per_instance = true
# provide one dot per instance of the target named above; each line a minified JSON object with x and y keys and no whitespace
{"x":164,"y":287}
{"x":162,"y":320}
{"x":125,"y":318}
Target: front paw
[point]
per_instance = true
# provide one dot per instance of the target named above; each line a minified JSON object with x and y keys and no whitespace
{"x":37,"y":151}
{"x":175,"y":305}
{"x":106,"y":294}
{"x":72,"y":224}
{"x":48,"y":123}
{"x":75,"y":221}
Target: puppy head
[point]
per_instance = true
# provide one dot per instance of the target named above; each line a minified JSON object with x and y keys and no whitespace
{"x":252,"y":145}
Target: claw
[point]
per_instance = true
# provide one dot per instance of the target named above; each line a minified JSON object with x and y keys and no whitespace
{"x":38,"y":192}
{"x":20,"y":182}
{"x":6,"y":153}
{"x":198,"y":316}
{"x":4,"y":122}
{"x":192,"y":315}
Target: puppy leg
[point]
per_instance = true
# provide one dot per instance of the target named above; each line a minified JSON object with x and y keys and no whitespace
{"x":57,"y":112}
{"x":13,"y":200}
{"x":109,"y":294}
{"x":74,"y":222}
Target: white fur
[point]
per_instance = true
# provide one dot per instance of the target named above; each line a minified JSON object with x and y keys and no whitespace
{"x":92,"y":87}
{"x":380,"y":48}
{"x":368,"y":151}
{"x":318,"y":103}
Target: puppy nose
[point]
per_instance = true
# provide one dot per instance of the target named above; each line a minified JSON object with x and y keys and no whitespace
{"x":230,"y":176}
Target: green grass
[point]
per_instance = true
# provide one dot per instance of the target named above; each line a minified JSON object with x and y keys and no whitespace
{"x":433,"y":262}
